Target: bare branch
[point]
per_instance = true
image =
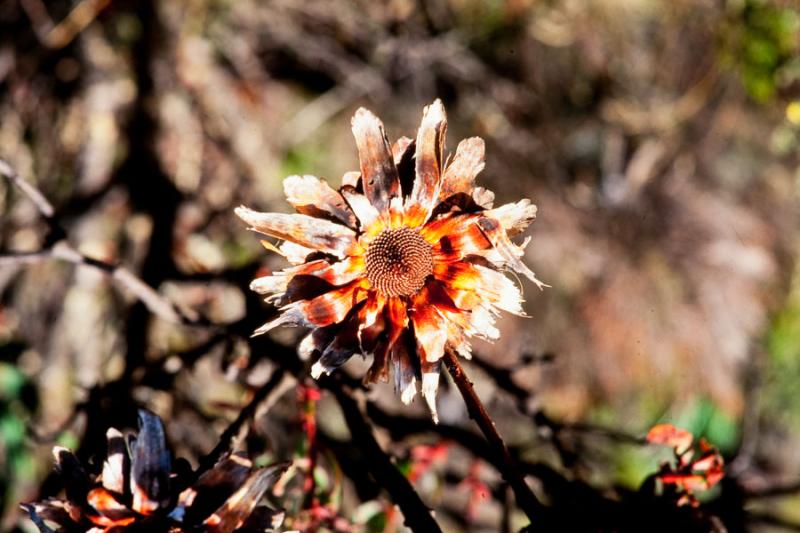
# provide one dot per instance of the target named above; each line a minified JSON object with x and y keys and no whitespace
{"x":42,"y":204}
{"x":156,"y":303}
{"x":527,"y":501}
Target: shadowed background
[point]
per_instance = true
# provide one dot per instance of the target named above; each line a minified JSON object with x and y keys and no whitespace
{"x":659,"y":139}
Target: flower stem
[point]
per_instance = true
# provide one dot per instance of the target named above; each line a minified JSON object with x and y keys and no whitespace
{"x":527,"y":501}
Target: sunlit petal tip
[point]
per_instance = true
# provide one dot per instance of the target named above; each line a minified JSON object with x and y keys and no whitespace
{"x":269,"y":284}
{"x":408,"y":393}
{"x":430,"y":384}
{"x":290,"y":317}
{"x":317,"y":370}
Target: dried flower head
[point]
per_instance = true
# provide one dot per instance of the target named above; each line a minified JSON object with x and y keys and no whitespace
{"x":402,"y":262}
{"x":139,"y":489}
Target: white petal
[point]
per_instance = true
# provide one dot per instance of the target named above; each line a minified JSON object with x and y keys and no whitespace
{"x":430,"y":384}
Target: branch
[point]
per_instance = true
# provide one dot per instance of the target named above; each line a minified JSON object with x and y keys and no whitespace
{"x":527,"y":501}
{"x":262,"y":394}
{"x":35,"y":196}
{"x":417,"y":515}
{"x":156,"y":303}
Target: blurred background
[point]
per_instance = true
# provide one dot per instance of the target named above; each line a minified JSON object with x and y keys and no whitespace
{"x":660,"y":140}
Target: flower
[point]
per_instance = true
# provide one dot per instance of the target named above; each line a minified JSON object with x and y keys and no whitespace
{"x":688,"y":474}
{"x":137,"y":488}
{"x":404,"y":261}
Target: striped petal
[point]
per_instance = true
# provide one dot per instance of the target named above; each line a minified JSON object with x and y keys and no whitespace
{"x":379,"y":174}
{"x":499,"y":239}
{"x":459,"y":176}
{"x":430,"y":143}
{"x":315,"y":342}
{"x":343,"y":346}
{"x":150,"y":466}
{"x":313,"y":196}
{"x":396,"y":318}
{"x":328,"y":308}
{"x":488,"y":285}
{"x":430,"y":336}
{"x":371,"y":322}
{"x":405,"y":371}
{"x":112,"y":512}
{"x":314,"y":233}
{"x":232,"y":514}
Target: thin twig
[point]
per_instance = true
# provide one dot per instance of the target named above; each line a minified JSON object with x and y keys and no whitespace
{"x":35,"y":196}
{"x":527,"y":501}
{"x":156,"y":303}
{"x":417,"y":515}
{"x":248,"y":411}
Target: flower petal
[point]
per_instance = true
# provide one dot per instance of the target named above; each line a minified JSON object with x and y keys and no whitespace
{"x":115,"y":467}
{"x":396,"y":318}
{"x":112,"y":512}
{"x":379,"y":174}
{"x":340,"y":350}
{"x":328,"y":308}
{"x":366,"y":212}
{"x":150,"y":466}
{"x":213,"y":488}
{"x":489,"y":285}
{"x":459,"y":176}
{"x":76,"y":480}
{"x":371,"y":322}
{"x":313,"y":196}
{"x":499,"y":239}
{"x":405,"y":372}
{"x":513,"y":217}
{"x":400,"y":149}
{"x":232,"y":514}
{"x":430,"y":142}
{"x":315,"y":342}
{"x":315,"y":233}
{"x":430,"y":384}
{"x":430,"y":337}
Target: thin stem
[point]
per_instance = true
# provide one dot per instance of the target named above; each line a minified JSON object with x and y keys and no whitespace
{"x":527,"y":501}
{"x":417,"y":516}
{"x":249,"y":411}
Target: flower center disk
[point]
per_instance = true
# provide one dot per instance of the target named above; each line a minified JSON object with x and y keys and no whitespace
{"x":398,"y":262}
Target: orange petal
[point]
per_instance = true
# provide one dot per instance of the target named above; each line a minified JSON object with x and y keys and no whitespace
{"x":315,"y":233}
{"x":379,"y":174}
{"x":313,"y":196}
{"x":112,"y":512}
{"x":429,"y":146}
{"x":669,"y":435}
{"x":430,"y":336}
{"x":328,"y":308}
{"x":489,"y":285}
{"x":396,"y":323}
